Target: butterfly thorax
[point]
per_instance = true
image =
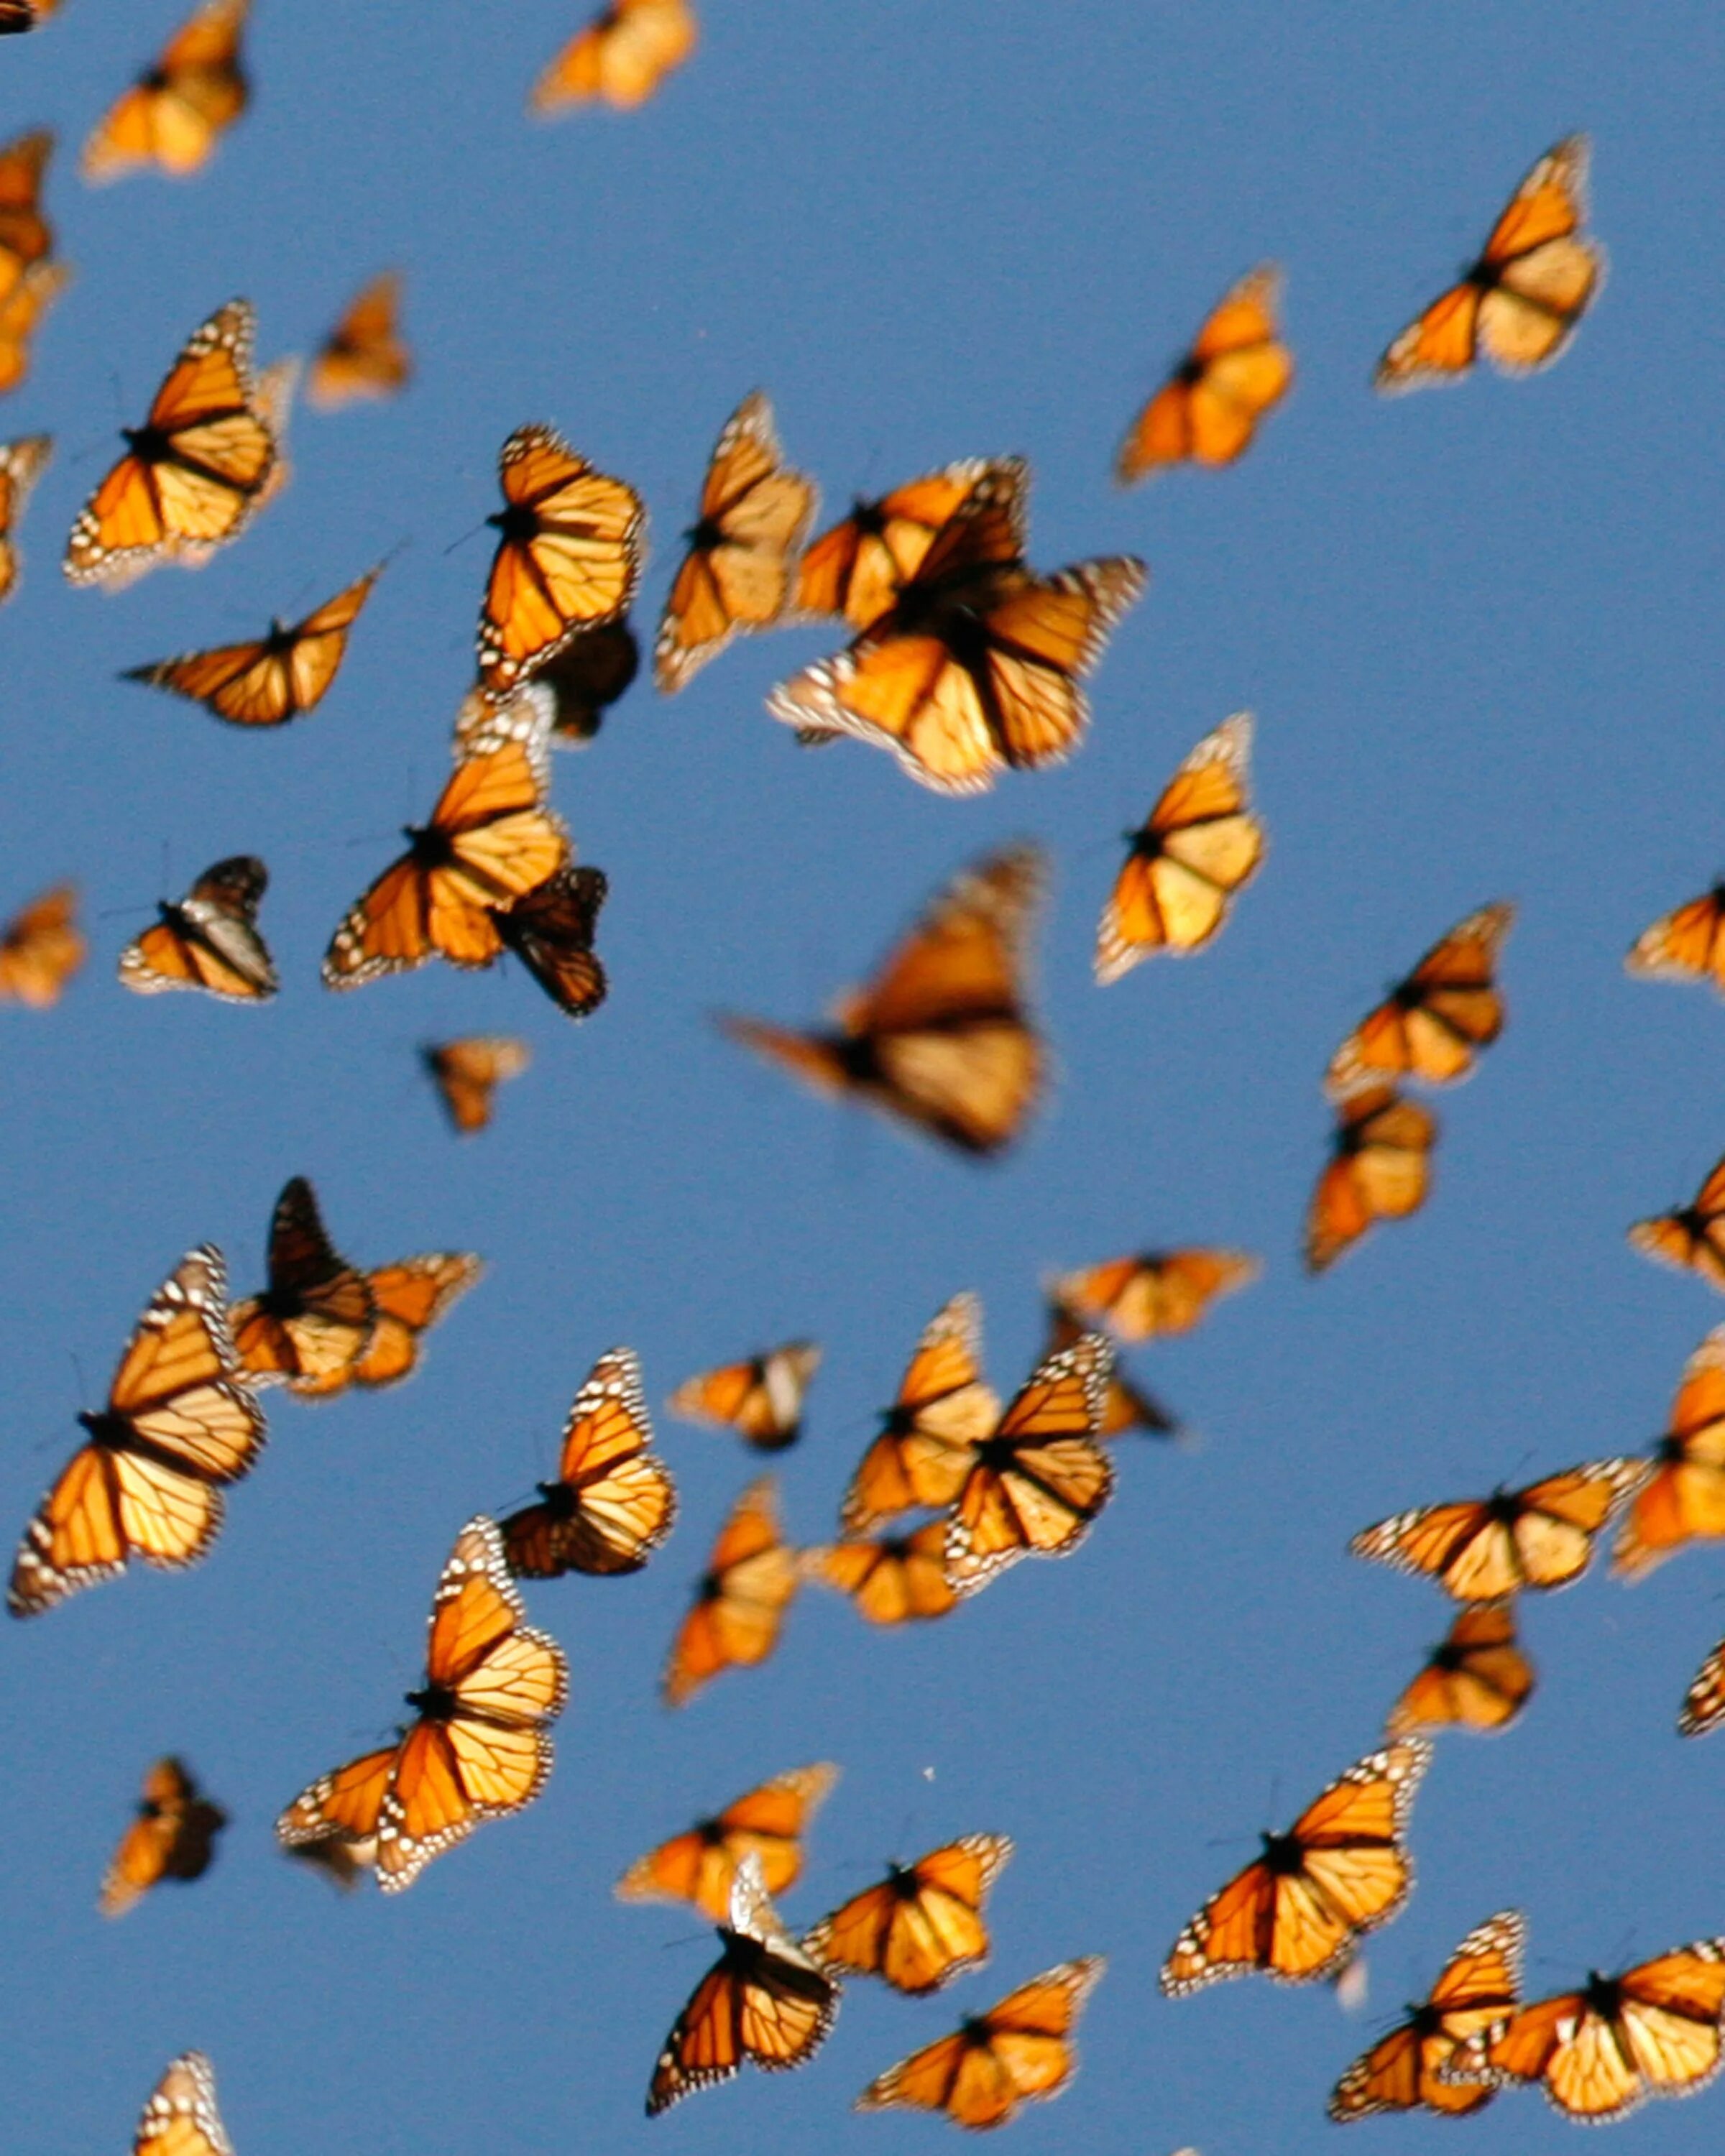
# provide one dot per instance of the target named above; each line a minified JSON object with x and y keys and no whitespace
{"x":155,"y":79}
{"x":115,"y":1431}
{"x":868,"y":518}
{"x":431,"y":848}
{"x":1190,"y":371}
{"x":1671,"y":1450}
{"x":997,"y":1452}
{"x":559,"y":1499}
{"x":1146,"y":844}
{"x":974,"y":2033}
{"x":150,"y":444}
{"x":278,"y":640}
{"x":1503,"y":1507}
{"x":281,"y":1302}
{"x":148,"y":1809}
{"x":1602,"y":1995}
{"x":706,"y":533}
{"x":1425,"y":2020}
{"x":517,"y":524}
{"x":1449,"y":1656}
{"x":1283,"y":1856}
{"x":436,"y":1703}
{"x":709,"y":1587}
{"x":901,"y":1881}
{"x":710,"y":1833}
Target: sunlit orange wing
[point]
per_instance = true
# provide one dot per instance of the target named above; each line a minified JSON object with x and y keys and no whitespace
{"x":364,"y":355}
{"x":26,"y":236}
{"x":180,"y":2117}
{"x":407,"y":1299}
{"x":1479,"y":1986}
{"x":621,"y":57}
{"x":1434,"y":1023}
{"x":1693,"y":1236}
{"x":1153,"y":1293}
{"x":767,"y":1823}
{"x":613,"y":1501}
{"x":739,"y":1600}
{"x":281,"y":675}
{"x":945,"y":1406}
{"x":893,"y":1579}
{"x":182,"y":105}
{"x":1126,"y":1407}
{"x":1477,"y":1678}
{"x":1379,"y":1169}
{"x":922,"y":1925}
{"x":1682,"y":1499}
{"x":1208,"y":409}
{"x":23,"y":307}
{"x":1022,"y":2048}
{"x":41,"y":948}
{"x":1685,"y":945}
{"x":761,"y":1399}
{"x":858,"y":568}
{"x":172,"y":1837}
{"x":1484,"y":1549}
{"x":467,"y":1073}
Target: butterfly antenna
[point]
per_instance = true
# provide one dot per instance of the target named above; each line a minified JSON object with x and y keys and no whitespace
{"x":472,"y":534}
{"x":78,"y":1378}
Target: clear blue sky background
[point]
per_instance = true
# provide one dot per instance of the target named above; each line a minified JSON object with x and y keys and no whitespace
{"x":1480,"y":634}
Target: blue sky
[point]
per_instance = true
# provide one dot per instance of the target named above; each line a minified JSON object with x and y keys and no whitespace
{"x":1479,"y":632}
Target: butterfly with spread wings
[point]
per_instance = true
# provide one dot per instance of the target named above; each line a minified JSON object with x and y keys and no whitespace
{"x":551,"y":931}
{"x":1476,"y":1677}
{"x":1691,"y":1237}
{"x":23,"y":462}
{"x":1210,"y":408}
{"x":892,"y":1580}
{"x":763,"y":1999}
{"x":1482,"y":1548}
{"x":613,"y":1502}
{"x":310,"y":1325}
{"x":180,"y":2117}
{"x":1436,"y":1021}
{"x":1687,"y":944}
{"x":761,"y":1398}
{"x":739,"y":1600}
{"x":767,"y":1823}
{"x":479,"y":1747}
{"x":279,"y":676}
{"x":1600,"y":2051}
{"x":41,"y":948}
{"x":1153,"y":1293}
{"x":621,"y":57}
{"x":940,"y":1038}
{"x":928,"y":1437}
{"x":207,"y":940}
{"x":180,"y":1422}
{"x":922,"y":1924}
{"x":468,"y":1071}
{"x":1476,"y":1988}
{"x":172,"y":1837}
{"x":1020,"y":2049}
{"x":364,"y":355}
{"x":194,"y":474}
{"x":1298,"y":1913}
{"x":182,"y":105}
{"x":739,"y":572}
{"x":1682,"y":1499}
{"x":857,"y":569}
{"x":1520,"y":302}
{"x":1379,"y":1168}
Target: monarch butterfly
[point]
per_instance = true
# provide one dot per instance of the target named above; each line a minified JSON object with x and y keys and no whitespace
{"x":621,"y":57}
{"x":490,"y":840}
{"x":181,"y":2118}
{"x":1125,"y":1407}
{"x":740,"y":1600}
{"x":21,"y":463}
{"x":551,"y":931}
{"x":18,"y":16}
{"x":26,"y":236}
{"x":928,"y":1436}
{"x":1477,"y":1677}
{"x":1484,"y":1547}
{"x":1521,"y":299}
{"x":1153,"y":1293}
{"x":740,"y":568}
{"x":309,"y":1326}
{"x":762,"y":2000}
{"x":858,"y":568}
{"x":1036,"y":1484}
{"x":285,"y":673}
{"x":207,"y":940}
{"x":1021,"y":2049}
{"x":765,"y":1823}
{"x":1379,"y":1169}
{"x":172,"y":1837}
{"x":977,"y":667}
{"x":1340,"y":1871}
{"x":1704,"y":1702}
{"x":182,"y":105}
{"x":480,"y":1748}
{"x":922,"y":1925}
{"x":179,"y":1423}
{"x":407,"y":1299}
{"x":940,"y":1037}
{"x":1207,"y":411}
{"x":586,"y":678}
{"x":1686,"y":944}
{"x":41,"y":948}
{"x":23,"y":307}
{"x":467,"y":1072}
{"x":1199,"y":844}
{"x":194,"y":474}
{"x":1437,"y":1020}
{"x":1690,"y":1236}
{"x":613,"y":1502}
{"x":1683,"y":1498}
{"x":893,"y":1579}
{"x":1602,"y":2049}
{"x":570,"y":541}
{"x":364,"y":354}
{"x":1476,"y":1988}
{"x":762,"y":1398}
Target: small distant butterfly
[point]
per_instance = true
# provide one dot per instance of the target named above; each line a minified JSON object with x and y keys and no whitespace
{"x":613,"y":1502}
{"x":1126,"y":1407}
{"x":1153,"y":1293}
{"x":739,"y":1600}
{"x":550,"y":929}
{"x":858,"y":568}
{"x":740,"y":570}
{"x":180,"y":1423}
{"x":1693,"y":1236}
{"x":1686,"y":944}
{"x":586,"y":678}
{"x":1437,"y":1020}
{"x":1521,"y":300}
{"x":195,"y":473}
{"x":1477,"y":1676}
{"x":172,"y":1837}
{"x":207,"y":940}
{"x":281,"y":675}
{"x":311,"y":1325}
{"x":892,"y":1579}
{"x":1379,"y":1169}
{"x":21,"y":463}
{"x":181,"y":2118}
{"x":1483,"y":1548}
{"x":1478,"y":1987}
{"x":1038,"y":1481}
{"x":182,"y":105}
{"x":1299,"y":1911}
{"x":479,"y":1747}
{"x":1682,"y":1499}
{"x":1019,"y":2050}
{"x":767,"y":1823}
{"x":922,"y":1925}
{"x":927,"y":1442}
{"x":34,"y":293}
{"x":621,"y":57}
{"x":940,"y":1038}
{"x":1200,"y":845}
{"x":467,"y":1073}
{"x":760,"y":1399}
{"x":363,"y":355}
{"x":1208,"y":409}
{"x":764,"y":1999}
{"x":1602,"y":2050}
{"x":41,"y":948}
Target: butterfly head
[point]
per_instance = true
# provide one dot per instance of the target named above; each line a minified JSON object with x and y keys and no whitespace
{"x":1448,"y":1655}
{"x":1602,"y":1995}
{"x":434,"y":1702}
{"x":711,"y":1831}
{"x":1190,"y":371}
{"x":516,"y":525}
{"x":431,"y":847}
{"x":868,"y":517}
{"x":149,"y":444}
{"x":1503,"y":1507}
{"x":1424,"y":2019}
{"x":1283,"y":1856}
{"x":155,"y":79}
{"x":710,"y":1588}
{"x":558,"y":1499}
{"x":106,"y":1428}
{"x":901,"y":1879}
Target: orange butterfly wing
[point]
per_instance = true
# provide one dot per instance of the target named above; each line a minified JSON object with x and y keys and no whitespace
{"x":1477,"y":1677}
{"x":1237,"y":371}
{"x":613,"y":1501}
{"x":922,"y":1925}
{"x":1682,"y":1499}
{"x":1435,"y":1021}
{"x":767,"y":1823}
{"x":21,"y":463}
{"x":41,"y":948}
{"x":739,"y":1600}
{"x":26,"y":236}
{"x":762,"y":1398}
{"x":316,"y":1317}
{"x":1021,"y":2048}
{"x":407,"y":1299}
{"x":620,"y":58}
{"x":1478,"y":1987}
{"x":1691,"y":1237}
{"x":1154,"y":1293}
{"x":172,"y":1838}
{"x":280,"y":677}
{"x":1379,"y":1169}
{"x":859,"y":568}
{"x":945,"y":1406}
{"x":180,"y":2117}
{"x":1685,"y":945}
{"x":467,"y":1073}
{"x":1480,"y":1550}
{"x":893,"y":1579}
